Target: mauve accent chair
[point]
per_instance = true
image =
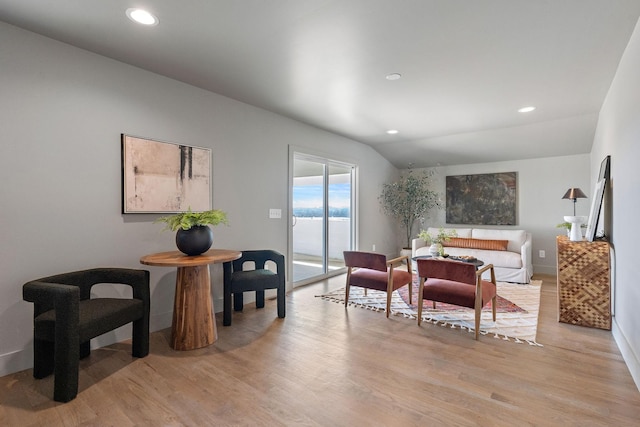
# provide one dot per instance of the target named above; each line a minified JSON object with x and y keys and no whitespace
{"x":237,"y":280}
{"x":65,"y":318}
{"x":458,"y":283}
{"x":370,"y":270}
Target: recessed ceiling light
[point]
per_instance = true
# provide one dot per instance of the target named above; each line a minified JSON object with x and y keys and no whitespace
{"x":392,"y":131}
{"x":526,"y":109}
{"x":141,"y":16}
{"x":393,"y":76}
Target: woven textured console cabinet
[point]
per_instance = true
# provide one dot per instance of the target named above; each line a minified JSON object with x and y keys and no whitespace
{"x":584,"y":285}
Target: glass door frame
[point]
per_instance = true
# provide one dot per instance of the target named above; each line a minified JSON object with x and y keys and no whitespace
{"x":309,"y":155}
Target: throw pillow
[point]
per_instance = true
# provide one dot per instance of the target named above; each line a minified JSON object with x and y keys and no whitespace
{"x":492,"y":245}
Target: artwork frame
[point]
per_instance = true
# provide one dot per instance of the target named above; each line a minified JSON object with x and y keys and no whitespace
{"x":604,"y":168}
{"x":482,"y":199}
{"x":164,"y":177}
{"x":598,"y":199}
{"x":594,"y":212}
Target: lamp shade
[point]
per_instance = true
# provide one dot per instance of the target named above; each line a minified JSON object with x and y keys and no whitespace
{"x":574,"y":193}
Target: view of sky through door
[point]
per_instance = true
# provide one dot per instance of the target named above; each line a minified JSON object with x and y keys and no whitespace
{"x":322,"y":211}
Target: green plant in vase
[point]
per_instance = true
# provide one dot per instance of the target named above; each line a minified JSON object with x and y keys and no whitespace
{"x":567,"y":226}
{"x":193,"y":234}
{"x":436,"y":240}
{"x":188,"y":219}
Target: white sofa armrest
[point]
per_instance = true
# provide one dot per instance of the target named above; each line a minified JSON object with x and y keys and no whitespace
{"x":417,"y":244}
{"x":525,"y":252}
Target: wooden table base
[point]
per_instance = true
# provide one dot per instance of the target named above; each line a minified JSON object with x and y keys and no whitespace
{"x":193,"y":323}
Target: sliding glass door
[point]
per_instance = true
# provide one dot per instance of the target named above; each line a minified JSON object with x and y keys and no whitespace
{"x":322,"y":225}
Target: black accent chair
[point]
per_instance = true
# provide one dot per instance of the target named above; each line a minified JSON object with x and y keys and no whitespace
{"x":65,"y":319}
{"x":237,"y":280}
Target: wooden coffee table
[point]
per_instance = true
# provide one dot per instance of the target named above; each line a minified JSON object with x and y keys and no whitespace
{"x":193,"y":325}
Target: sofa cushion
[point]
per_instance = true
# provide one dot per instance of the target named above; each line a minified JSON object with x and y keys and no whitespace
{"x":492,"y":245}
{"x":505,"y":259}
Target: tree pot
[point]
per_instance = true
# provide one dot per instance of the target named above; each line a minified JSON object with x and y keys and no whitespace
{"x":194,"y":241}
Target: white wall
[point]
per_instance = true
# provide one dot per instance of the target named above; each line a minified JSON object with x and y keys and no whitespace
{"x":63,"y":110}
{"x":541,"y":185}
{"x":618,"y":135}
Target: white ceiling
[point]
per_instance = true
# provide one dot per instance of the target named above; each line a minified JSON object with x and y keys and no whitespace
{"x":466,"y":65}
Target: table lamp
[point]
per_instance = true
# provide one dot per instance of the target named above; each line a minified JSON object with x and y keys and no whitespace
{"x":576,"y":221}
{"x":574,"y":194}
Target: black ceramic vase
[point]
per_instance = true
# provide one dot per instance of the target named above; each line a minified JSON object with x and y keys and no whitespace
{"x":194,"y":241}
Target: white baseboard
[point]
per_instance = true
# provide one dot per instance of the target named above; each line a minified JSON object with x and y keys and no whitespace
{"x":630,"y":358}
{"x":19,"y":360}
{"x":15,"y":361}
{"x":545,"y":269}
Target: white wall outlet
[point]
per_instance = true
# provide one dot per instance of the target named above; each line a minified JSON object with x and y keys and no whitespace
{"x":275,"y":213}
{"x":373,"y":248}
{"x":541,"y":253}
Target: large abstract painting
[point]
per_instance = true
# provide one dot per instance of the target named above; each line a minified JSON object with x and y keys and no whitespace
{"x":484,"y":199}
{"x":164,"y":177}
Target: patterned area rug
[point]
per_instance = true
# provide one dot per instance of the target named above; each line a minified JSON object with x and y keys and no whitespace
{"x":503,"y":306}
{"x":516,"y":318}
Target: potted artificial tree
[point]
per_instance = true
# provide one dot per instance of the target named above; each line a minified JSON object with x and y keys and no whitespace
{"x":193,"y":234}
{"x":408,"y":199}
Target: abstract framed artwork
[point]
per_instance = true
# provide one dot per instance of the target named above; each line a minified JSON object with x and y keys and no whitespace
{"x":163,"y":177}
{"x":482,"y":199}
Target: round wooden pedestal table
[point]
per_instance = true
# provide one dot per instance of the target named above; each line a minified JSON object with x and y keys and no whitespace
{"x":193,"y":325}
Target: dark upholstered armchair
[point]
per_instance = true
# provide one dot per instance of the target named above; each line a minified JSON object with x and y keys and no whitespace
{"x":458,"y":283}
{"x":238,"y":280}
{"x":371,"y":270}
{"x":65,"y":319}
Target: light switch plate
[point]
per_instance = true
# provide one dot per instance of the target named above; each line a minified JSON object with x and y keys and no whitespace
{"x":275,"y":213}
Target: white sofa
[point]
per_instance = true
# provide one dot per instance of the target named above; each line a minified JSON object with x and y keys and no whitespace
{"x":510,"y":265}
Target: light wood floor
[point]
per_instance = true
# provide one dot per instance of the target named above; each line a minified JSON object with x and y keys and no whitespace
{"x":324,"y":366}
